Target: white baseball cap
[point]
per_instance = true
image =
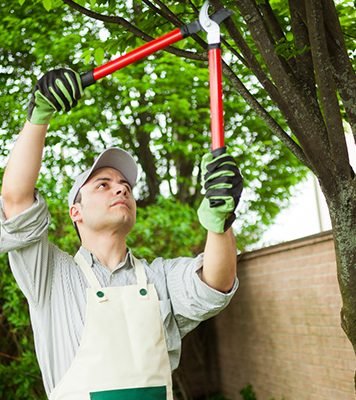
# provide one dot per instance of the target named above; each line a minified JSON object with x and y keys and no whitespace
{"x":114,"y":157}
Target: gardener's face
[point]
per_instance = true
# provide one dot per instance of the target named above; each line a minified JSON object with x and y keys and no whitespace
{"x":107,"y":203}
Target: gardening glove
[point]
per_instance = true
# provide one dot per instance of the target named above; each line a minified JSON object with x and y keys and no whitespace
{"x":223,"y":184}
{"x":59,"y":89}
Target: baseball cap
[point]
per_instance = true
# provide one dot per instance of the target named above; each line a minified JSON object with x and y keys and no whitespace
{"x":113,"y":157}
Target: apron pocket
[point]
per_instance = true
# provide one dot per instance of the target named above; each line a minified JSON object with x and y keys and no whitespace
{"x":150,"y":393}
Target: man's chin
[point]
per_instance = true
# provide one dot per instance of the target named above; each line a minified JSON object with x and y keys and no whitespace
{"x":124,"y":224}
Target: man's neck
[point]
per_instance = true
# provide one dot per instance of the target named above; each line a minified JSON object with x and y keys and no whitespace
{"x":109,"y":249}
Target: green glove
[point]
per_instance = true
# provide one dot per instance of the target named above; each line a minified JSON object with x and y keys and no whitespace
{"x":59,"y":89}
{"x":223,"y":184}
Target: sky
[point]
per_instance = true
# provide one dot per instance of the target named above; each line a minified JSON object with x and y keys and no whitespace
{"x":301,"y":218}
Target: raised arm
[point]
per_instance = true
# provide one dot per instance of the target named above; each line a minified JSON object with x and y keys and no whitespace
{"x":57,"y":90}
{"x":223,"y":184}
{"x":22,"y":170}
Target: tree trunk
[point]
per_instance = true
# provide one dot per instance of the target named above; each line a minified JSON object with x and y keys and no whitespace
{"x":342,"y":208}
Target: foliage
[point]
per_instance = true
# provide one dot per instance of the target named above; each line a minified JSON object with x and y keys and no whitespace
{"x":248,"y":393}
{"x":158,"y":109}
{"x":159,"y":112}
{"x":19,"y":373}
{"x":165,"y":228}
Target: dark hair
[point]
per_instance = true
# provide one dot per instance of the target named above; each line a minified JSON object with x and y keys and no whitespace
{"x":78,"y":199}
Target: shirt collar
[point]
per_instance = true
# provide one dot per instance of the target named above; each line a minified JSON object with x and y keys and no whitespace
{"x":92,"y":259}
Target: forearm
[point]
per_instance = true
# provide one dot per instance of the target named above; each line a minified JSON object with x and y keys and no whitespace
{"x":22,"y":170}
{"x":57,"y":90}
{"x":219,"y":265}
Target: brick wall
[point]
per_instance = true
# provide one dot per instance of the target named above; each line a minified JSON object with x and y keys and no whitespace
{"x":281,"y":333}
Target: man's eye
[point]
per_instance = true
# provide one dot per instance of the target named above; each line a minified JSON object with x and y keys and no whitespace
{"x":102,"y":185}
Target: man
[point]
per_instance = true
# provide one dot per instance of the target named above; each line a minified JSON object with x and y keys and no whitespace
{"x":107,"y":325}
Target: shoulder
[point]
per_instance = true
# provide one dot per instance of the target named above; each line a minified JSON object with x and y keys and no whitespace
{"x":63,"y":262}
{"x":169,"y":264}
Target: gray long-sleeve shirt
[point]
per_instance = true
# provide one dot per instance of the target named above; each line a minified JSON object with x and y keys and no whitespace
{"x":56,"y":290}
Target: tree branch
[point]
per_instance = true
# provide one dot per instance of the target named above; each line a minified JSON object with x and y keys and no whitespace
{"x":147,"y":159}
{"x":304,"y":63}
{"x":130,"y":28}
{"x":304,"y":111}
{"x":263,"y":114}
{"x":196,"y":10}
{"x":165,"y":12}
{"x":327,"y":87}
{"x":343,"y":71}
{"x":274,"y":27}
{"x":108,"y":19}
{"x":5,"y":355}
{"x":249,"y":59}
{"x":256,"y":68}
{"x":271,"y":21}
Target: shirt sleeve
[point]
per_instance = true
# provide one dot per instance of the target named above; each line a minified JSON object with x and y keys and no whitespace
{"x":193,"y":301}
{"x":25,"y":238}
{"x":25,"y":228}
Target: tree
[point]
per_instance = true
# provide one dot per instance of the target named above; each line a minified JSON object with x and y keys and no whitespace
{"x":298,"y":51}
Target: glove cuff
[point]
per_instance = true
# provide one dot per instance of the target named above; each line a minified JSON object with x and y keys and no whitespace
{"x":40,"y":118}
{"x":39,"y":110}
{"x":213,"y":220}
{"x":229,"y":221}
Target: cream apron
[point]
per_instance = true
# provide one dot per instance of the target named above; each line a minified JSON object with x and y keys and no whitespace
{"x":123,"y":353}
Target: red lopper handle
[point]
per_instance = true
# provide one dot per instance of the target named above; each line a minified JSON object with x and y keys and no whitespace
{"x":216,"y":101}
{"x":114,"y":65}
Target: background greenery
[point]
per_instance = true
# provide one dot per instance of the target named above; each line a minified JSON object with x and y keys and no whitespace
{"x":158,"y":109}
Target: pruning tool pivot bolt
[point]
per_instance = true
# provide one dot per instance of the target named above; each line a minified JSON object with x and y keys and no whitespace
{"x":211,"y":27}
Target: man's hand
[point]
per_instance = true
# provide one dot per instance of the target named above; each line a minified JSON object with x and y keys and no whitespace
{"x":223,"y":184}
{"x":59,"y":89}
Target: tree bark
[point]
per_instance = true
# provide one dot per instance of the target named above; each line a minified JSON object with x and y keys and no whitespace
{"x":304,"y":63}
{"x":302,"y":111}
{"x":342,"y":208}
{"x":328,"y":95}
{"x":344,"y":74}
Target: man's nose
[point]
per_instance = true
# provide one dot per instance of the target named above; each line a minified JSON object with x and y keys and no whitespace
{"x":121,"y":189}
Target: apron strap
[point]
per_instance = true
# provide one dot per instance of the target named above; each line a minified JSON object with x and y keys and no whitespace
{"x":140,"y":274}
{"x":91,"y":278}
{"x":87,"y":271}
{"x":94,"y":283}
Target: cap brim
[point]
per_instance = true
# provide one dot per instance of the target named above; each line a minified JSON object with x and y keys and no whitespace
{"x":118,"y":159}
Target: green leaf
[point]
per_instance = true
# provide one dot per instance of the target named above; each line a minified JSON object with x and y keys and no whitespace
{"x":47,"y":4}
{"x":86,"y":56}
{"x":21,"y":2}
{"x":99,"y":55}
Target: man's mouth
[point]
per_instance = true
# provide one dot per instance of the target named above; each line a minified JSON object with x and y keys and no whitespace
{"x":119,"y":203}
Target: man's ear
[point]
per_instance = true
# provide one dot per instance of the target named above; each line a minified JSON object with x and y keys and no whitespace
{"x":75,"y":212}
